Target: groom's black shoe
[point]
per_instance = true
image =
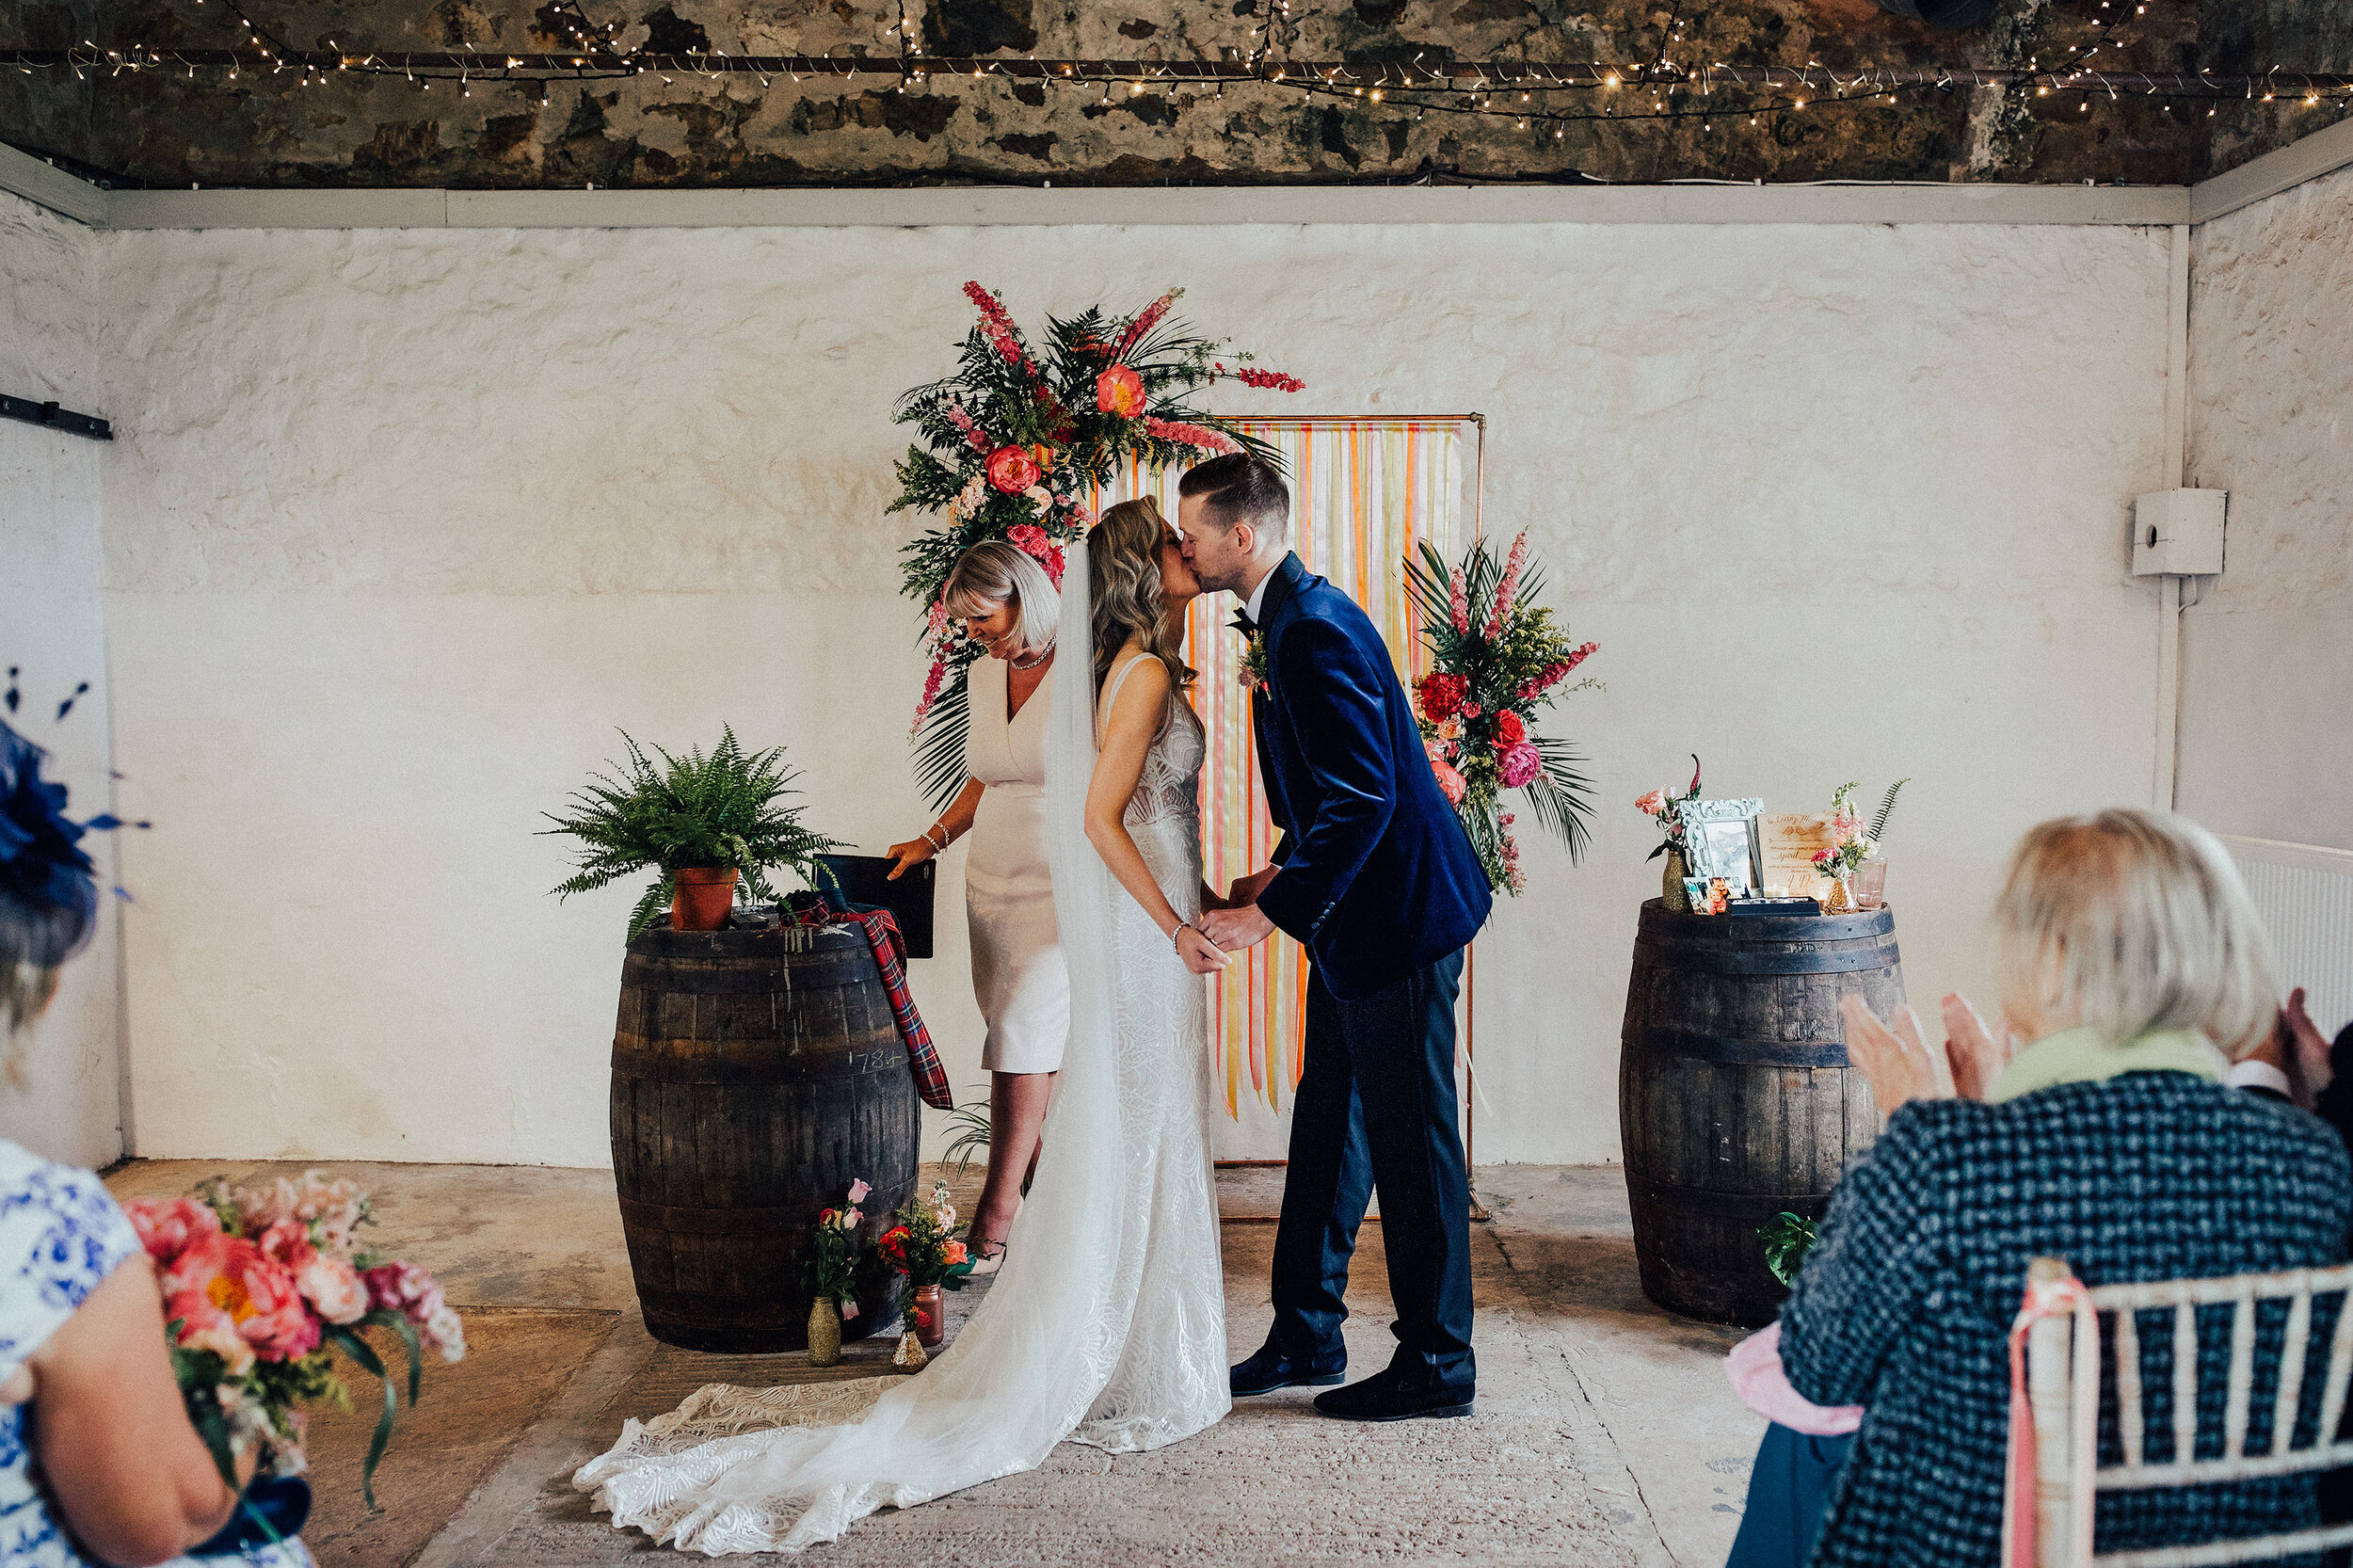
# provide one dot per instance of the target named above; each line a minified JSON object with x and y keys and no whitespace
{"x":1395,"y":1395}
{"x":1273,"y":1368}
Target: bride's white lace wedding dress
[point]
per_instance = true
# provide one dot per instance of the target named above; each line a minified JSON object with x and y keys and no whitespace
{"x":1107,"y":1322}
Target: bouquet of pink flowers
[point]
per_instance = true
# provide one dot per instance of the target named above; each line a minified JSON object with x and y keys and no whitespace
{"x":258,"y":1283}
{"x":1497,"y":661}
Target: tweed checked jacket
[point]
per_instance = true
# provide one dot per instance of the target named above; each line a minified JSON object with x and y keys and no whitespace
{"x":1905,"y":1304}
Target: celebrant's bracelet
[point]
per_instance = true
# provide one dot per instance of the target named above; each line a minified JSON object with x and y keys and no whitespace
{"x":943,"y":838}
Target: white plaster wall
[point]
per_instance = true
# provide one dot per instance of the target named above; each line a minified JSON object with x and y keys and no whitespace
{"x":2267,"y":665}
{"x":408,"y":522}
{"x":68,"y":1105}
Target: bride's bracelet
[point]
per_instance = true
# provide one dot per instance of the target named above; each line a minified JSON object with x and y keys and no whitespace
{"x":1182,"y":926}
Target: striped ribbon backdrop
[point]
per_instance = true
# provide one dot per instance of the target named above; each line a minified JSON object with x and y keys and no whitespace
{"x":1365,"y":494}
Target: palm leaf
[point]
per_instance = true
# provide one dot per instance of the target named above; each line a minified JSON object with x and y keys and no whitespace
{"x":939,"y":754}
{"x":1560,"y":796}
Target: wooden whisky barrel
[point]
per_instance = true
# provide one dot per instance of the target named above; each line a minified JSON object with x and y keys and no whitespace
{"x":755,"y":1075}
{"x":1735,"y":1098}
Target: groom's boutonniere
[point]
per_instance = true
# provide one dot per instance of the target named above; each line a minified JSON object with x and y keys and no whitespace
{"x":1254,"y":661}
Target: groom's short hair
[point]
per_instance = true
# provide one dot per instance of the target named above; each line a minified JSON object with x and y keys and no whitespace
{"x":1241,"y":487}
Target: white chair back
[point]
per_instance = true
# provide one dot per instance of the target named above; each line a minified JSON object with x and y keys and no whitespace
{"x":2055,"y":1400}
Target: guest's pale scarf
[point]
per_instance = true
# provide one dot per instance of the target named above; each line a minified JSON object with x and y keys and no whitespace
{"x":2082,"y":1056}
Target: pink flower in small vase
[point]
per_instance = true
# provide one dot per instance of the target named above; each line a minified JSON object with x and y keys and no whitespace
{"x":1651,"y":803}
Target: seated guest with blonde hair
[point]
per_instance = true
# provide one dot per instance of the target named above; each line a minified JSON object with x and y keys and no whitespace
{"x":2134,"y":965}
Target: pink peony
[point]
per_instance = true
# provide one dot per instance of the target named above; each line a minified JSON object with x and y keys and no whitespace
{"x":256,"y":1291}
{"x":167,"y":1225}
{"x":206,"y":1327}
{"x":1520,"y":764}
{"x":1028,"y":538}
{"x":1651,"y":803}
{"x":1119,"y":391}
{"x":1012,"y":469}
{"x":1451,"y":781}
{"x":333,"y":1287}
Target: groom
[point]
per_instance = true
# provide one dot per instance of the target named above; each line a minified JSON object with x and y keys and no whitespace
{"x":1376,"y":878}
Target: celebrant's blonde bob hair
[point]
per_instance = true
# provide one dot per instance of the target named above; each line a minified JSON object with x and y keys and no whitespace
{"x":995,"y":572}
{"x":2134,"y":922}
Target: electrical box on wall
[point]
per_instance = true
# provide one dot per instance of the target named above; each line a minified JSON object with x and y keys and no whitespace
{"x":2178,"y":533}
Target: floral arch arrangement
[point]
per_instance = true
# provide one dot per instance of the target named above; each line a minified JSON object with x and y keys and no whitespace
{"x":1015,"y":444}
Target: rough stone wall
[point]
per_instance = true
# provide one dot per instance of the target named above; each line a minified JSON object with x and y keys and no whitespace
{"x":2267,"y":678}
{"x":50,"y":630}
{"x":403,"y":523}
{"x":165,"y":128}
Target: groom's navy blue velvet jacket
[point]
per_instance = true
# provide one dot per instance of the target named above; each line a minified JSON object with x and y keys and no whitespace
{"x":1378,"y":878}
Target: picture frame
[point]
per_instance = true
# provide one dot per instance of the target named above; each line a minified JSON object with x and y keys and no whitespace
{"x":1720,"y":839}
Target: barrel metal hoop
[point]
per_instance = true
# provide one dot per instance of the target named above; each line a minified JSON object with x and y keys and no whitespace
{"x":1656,"y":1040}
{"x":652,"y":1064}
{"x":1794,"y":958}
{"x":1735,"y":1205}
{"x":735,"y":977}
{"x":747,"y":1223}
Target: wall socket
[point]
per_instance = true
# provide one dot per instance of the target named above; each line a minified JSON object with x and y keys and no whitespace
{"x":2178,"y":533}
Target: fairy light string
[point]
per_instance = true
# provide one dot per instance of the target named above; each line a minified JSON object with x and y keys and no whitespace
{"x":1658,"y":87}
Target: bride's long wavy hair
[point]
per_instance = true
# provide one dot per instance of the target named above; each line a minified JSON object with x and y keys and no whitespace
{"x":1124,"y":590}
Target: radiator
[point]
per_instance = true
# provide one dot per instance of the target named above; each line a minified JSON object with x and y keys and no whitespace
{"x":2305,"y":896}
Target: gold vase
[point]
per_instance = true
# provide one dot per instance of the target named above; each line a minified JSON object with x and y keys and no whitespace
{"x":909,"y":1356}
{"x":825,"y":1332}
{"x":1670,"y":894}
{"x":1841,"y":900}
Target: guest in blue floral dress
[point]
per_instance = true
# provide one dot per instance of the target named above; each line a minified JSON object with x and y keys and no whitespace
{"x":98,"y":1461}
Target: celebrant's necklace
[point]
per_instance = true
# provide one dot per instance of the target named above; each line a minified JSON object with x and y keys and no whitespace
{"x":1043,"y":654}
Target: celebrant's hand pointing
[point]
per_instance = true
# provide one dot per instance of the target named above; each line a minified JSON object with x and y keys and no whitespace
{"x":1235,"y":929}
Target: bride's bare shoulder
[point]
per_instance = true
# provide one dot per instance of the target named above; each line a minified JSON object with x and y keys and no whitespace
{"x":1134,"y":693}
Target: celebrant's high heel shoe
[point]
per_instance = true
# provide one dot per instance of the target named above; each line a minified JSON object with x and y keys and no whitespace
{"x":984,"y":1266}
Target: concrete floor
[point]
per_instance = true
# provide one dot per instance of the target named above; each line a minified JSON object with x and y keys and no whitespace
{"x":1605,"y":1432}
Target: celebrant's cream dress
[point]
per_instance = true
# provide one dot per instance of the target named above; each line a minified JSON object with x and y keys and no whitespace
{"x":1018,"y":974}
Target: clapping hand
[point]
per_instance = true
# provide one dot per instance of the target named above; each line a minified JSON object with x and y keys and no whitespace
{"x":1899,"y":1065}
{"x":2299,"y":1048}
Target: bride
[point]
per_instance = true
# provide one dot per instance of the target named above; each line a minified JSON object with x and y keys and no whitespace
{"x":1106,"y":1324}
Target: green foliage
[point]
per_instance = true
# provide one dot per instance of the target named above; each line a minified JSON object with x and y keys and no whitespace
{"x":832,"y":1269}
{"x":723,"y":809}
{"x":1788,"y":1239}
{"x":1879,"y":823}
{"x":969,"y":1123}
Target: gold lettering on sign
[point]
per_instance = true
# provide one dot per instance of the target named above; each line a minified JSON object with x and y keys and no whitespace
{"x":1790,"y":839}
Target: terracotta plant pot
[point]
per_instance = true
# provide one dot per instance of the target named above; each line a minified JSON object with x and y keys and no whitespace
{"x":931,"y":1316}
{"x":825,"y":1332}
{"x":704,"y":896}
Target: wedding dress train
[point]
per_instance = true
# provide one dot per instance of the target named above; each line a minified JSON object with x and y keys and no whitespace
{"x":1106,"y":1324}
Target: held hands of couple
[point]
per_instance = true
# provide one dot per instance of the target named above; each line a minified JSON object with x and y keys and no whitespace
{"x":1237,"y":927}
{"x":1201,"y":955}
{"x":1899,"y":1065}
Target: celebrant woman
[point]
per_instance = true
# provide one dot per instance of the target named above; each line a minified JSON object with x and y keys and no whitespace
{"x":1009,"y":607}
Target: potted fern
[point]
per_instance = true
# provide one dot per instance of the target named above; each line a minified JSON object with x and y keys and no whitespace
{"x":709,"y":827}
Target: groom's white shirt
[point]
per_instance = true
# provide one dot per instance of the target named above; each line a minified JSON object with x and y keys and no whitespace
{"x":1257,"y":596}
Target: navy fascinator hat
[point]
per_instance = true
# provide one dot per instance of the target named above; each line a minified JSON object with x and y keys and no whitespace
{"x":48,"y":894}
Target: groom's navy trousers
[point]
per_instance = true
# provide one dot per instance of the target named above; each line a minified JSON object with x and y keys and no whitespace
{"x":1377,"y":879}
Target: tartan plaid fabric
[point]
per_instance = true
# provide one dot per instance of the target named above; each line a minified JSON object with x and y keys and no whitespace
{"x":1905,"y":1304}
{"x":882,"y":935}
